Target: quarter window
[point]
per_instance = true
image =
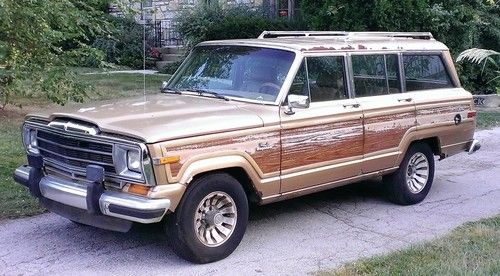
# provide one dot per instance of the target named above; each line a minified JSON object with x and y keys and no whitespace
{"x":425,"y":72}
{"x":375,"y":75}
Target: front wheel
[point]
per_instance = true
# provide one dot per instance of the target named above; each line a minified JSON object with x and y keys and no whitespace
{"x":411,"y":183}
{"x":210,"y":220}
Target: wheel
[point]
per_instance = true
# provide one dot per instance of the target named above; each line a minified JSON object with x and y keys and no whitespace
{"x":411,"y":183}
{"x":210,"y":220}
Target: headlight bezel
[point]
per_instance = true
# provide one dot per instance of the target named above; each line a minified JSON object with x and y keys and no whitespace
{"x":30,"y":141}
{"x":143,"y":173}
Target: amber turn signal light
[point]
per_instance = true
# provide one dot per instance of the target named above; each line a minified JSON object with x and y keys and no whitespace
{"x":138,"y":189}
{"x":167,"y":160}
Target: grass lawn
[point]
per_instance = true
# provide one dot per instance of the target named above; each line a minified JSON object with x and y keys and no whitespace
{"x":488,"y":119}
{"x":15,"y":200}
{"x":472,"y":249}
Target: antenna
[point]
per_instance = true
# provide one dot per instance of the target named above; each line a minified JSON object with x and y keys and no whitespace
{"x":143,"y":52}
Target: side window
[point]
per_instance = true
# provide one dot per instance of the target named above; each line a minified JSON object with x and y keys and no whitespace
{"x":299,"y":85}
{"x":326,"y":78}
{"x":375,"y":75}
{"x":425,"y":72}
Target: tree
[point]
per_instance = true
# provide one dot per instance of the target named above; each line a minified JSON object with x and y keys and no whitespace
{"x":39,"y":38}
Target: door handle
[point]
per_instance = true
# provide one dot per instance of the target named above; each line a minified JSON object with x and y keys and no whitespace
{"x":356,"y":105}
{"x":405,"y":100}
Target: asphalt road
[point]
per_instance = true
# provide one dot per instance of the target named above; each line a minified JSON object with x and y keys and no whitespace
{"x":294,"y":237}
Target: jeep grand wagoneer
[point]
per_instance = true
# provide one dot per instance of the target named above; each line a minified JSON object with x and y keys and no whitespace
{"x":259,"y":120}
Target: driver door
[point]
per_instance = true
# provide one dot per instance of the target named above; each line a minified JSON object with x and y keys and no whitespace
{"x":322,"y":142}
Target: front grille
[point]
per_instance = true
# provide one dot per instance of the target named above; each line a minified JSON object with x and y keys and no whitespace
{"x":75,"y":152}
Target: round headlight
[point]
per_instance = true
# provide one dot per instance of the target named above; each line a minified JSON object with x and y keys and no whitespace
{"x":134,"y":160}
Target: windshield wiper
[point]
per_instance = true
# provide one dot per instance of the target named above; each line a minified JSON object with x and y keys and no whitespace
{"x":171,"y":90}
{"x":201,"y":92}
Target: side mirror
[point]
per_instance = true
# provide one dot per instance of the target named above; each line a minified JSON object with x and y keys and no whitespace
{"x":298,"y":101}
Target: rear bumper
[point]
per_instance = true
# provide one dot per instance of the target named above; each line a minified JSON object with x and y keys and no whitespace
{"x":97,"y":202}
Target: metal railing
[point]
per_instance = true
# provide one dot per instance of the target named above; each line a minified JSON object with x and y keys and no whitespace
{"x":347,"y":35}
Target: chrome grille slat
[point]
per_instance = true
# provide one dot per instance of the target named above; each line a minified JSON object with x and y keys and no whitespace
{"x":76,"y":159}
{"x":74,"y":148}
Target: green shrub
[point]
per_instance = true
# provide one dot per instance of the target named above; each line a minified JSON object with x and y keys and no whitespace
{"x":125,"y":45}
{"x":215,"y":21}
{"x":170,"y":68}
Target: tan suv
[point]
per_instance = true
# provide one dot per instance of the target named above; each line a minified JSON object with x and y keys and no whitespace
{"x":254,"y":120}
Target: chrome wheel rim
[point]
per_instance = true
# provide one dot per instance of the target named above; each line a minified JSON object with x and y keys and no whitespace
{"x":215,"y":219}
{"x":417,"y":172}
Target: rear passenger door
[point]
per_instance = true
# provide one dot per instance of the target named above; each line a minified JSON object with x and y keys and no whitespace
{"x":387,"y":113}
{"x":441,"y":105}
{"x":322,"y":143}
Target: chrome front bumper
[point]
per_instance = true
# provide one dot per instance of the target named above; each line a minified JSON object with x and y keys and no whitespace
{"x":111,"y":203}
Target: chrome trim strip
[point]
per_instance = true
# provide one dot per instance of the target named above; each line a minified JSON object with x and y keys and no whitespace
{"x":74,"y":194}
{"x":99,"y":138}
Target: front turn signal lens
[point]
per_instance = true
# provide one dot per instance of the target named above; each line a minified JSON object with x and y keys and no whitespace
{"x":138,"y":189}
{"x":168,"y":160}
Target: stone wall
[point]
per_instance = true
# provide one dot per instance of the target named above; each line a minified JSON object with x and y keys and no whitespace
{"x":490,"y":101}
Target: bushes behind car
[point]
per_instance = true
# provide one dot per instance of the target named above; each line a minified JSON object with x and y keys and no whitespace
{"x":215,"y":21}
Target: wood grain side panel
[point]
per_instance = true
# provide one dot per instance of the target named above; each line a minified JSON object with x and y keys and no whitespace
{"x":433,"y":115}
{"x":320,"y":143}
{"x":263,"y":148}
{"x":385,"y":132}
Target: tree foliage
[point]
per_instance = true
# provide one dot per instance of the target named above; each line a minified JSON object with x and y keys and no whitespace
{"x":38,"y":38}
{"x":215,"y":21}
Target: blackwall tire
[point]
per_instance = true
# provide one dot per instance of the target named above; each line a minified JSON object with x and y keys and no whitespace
{"x":211,"y":219}
{"x":411,"y":183}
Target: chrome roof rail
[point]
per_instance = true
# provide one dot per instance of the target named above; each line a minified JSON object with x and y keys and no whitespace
{"x":347,"y":35}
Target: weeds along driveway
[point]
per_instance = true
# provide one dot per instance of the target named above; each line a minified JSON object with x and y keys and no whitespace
{"x":293,"y":237}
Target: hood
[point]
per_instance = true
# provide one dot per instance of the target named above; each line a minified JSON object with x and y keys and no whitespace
{"x":160,"y":117}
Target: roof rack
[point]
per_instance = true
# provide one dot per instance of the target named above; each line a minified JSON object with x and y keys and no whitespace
{"x":347,"y":35}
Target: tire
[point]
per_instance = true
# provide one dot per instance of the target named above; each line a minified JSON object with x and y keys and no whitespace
{"x":229,"y":204}
{"x":411,"y":183}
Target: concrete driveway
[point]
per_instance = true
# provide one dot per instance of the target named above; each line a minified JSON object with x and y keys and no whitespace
{"x":294,"y":237}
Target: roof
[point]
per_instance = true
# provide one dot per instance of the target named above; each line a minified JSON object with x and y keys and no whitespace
{"x":340,"y":41}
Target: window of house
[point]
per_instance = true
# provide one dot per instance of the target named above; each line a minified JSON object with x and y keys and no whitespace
{"x":375,"y":75}
{"x":326,"y":78}
{"x":425,"y":72}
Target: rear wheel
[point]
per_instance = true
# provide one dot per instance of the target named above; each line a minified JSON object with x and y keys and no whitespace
{"x":411,"y":183}
{"x":210,"y":220}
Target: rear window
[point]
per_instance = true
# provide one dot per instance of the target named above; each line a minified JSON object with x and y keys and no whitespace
{"x":425,"y":72}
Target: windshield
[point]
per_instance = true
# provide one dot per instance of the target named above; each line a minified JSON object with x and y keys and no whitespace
{"x":235,"y":71}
